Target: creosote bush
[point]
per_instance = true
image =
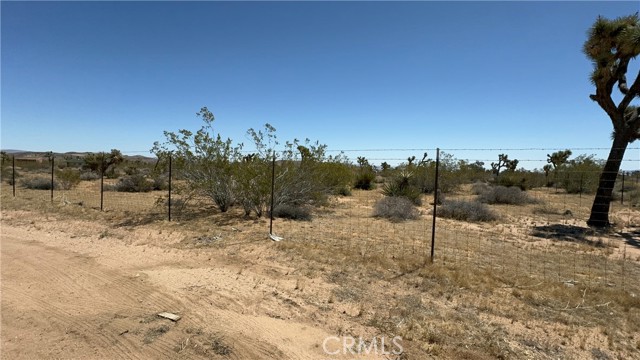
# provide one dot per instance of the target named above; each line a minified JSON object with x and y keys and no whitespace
{"x":68,"y":178}
{"x":466,"y":211}
{"x":38,"y":183}
{"x":293,"y":212}
{"x":505,"y":195}
{"x":89,"y":176}
{"x":395,"y":208}
{"x":132,"y":183}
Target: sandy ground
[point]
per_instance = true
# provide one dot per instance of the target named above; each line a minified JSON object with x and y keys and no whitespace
{"x":75,"y":297}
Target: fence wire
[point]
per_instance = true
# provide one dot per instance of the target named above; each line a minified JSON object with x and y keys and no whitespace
{"x":526,"y":245}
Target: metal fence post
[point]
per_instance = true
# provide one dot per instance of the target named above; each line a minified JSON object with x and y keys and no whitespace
{"x":52,"y":170}
{"x":13,"y":175}
{"x":102,"y":183}
{"x":169,"y":203}
{"x":273,"y":186}
{"x":435,"y":206}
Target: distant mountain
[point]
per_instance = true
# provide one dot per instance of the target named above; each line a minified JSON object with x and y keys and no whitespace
{"x":40,"y":154}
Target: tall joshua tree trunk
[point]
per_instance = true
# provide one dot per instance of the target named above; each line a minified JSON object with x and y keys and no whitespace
{"x":611,"y":45}
{"x":600,"y":209}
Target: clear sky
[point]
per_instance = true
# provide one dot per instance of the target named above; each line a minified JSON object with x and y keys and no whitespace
{"x":92,"y":76}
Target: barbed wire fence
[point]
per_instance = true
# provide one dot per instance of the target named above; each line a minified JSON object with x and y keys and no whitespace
{"x":527,"y":245}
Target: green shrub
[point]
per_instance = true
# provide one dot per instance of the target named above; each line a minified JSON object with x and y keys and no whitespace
{"x":395,"y":208}
{"x":580,"y":175}
{"x":160,"y":182}
{"x":132,"y":183}
{"x":365,"y":180}
{"x":38,"y":183}
{"x":505,"y":195}
{"x":466,"y":211}
{"x":522,"y":179}
{"x":68,"y":178}
{"x":344,"y":191}
{"x":400,"y":186}
{"x":293,"y":212}
{"x":334,"y":176}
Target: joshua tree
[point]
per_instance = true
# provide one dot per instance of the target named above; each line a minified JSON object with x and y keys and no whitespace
{"x":504,"y":162}
{"x":611,"y":45}
{"x":558,"y":158}
{"x":101,"y":162}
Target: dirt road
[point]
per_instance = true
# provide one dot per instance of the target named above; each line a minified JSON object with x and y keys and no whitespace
{"x":68,"y":297}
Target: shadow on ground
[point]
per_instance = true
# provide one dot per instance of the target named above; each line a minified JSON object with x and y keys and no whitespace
{"x":568,"y":233}
{"x":632,"y":238}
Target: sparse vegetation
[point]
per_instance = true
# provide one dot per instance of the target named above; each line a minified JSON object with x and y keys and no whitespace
{"x":293,"y":212}
{"x":505,"y":195}
{"x":466,"y":211}
{"x":396,"y":209}
{"x":401,"y":186}
{"x":67,"y":178}
{"x":132,"y":183}
{"x":38,"y":183}
{"x":89,"y":176}
{"x":365,"y":176}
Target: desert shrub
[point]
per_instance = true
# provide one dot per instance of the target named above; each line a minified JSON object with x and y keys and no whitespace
{"x":334,"y":176}
{"x":112,"y":173}
{"x":8,"y":174}
{"x":634,"y":197}
{"x":522,"y":179}
{"x":546,"y":209}
{"x":38,"y":183}
{"x":466,"y":211}
{"x":89,"y":175}
{"x":343,"y":191}
{"x":580,"y":175}
{"x":395,"y":208}
{"x":132,"y":183}
{"x":505,"y":195}
{"x":160,"y":182}
{"x":68,"y":178}
{"x":365,"y":180}
{"x":293,"y":212}
{"x":479,"y":187}
{"x":401,"y":186}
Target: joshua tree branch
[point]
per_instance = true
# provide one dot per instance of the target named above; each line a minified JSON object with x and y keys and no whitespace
{"x":632,"y":92}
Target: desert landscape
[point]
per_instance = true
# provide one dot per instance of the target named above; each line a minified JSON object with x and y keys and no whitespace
{"x":78,"y":282}
{"x":449,"y":180}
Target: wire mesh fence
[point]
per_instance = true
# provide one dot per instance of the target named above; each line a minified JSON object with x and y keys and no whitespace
{"x":537,"y":234}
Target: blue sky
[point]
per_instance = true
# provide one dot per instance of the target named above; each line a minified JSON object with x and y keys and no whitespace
{"x":92,"y":76}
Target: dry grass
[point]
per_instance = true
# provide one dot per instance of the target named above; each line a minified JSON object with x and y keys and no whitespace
{"x":536,"y":284}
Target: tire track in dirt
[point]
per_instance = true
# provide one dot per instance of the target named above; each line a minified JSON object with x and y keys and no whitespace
{"x":70,"y":304}
{"x":64,"y":299}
